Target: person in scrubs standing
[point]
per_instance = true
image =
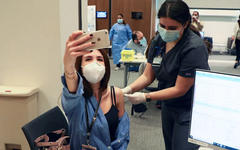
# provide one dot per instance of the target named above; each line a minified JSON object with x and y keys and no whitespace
{"x":183,"y":52}
{"x":120,"y":34}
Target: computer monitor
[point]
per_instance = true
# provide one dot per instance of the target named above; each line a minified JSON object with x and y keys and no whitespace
{"x":215,"y":119}
{"x":137,"y":15}
{"x":101,"y":14}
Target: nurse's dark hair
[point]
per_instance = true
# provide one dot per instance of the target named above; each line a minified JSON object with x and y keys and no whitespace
{"x":88,"y":91}
{"x":176,"y":10}
{"x":124,"y":22}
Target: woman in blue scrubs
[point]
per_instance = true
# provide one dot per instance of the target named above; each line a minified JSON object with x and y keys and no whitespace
{"x":183,"y":52}
{"x":95,"y":111}
{"x":120,"y":34}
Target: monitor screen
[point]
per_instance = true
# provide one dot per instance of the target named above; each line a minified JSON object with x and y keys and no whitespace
{"x":215,"y":120}
{"x":137,"y":15}
{"x":101,"y":14}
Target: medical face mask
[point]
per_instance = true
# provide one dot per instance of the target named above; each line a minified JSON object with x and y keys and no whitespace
{"x":168,"y":35}
{"x":143,"y":42}
{"x":93,"y":72}
{"x":120,"y":21}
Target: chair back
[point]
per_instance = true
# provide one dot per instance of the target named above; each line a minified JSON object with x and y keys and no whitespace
{"x":49,"y":121}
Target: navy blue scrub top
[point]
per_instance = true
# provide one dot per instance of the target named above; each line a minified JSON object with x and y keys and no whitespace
{"x":188,"y":54}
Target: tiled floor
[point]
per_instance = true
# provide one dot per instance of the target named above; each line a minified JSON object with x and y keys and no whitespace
{"x":146,"y":132}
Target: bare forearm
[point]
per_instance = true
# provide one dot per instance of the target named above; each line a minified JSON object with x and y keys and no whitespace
{"x":166,"y":94}
{"x":75,"y":47}
{"x":144,"y":80}
{"x":71,"y":80}
{"x":181,"y":87}
{"x":140,"y":83}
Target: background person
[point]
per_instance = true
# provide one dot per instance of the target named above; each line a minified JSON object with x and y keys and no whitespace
{"x":120,"y":34}
{"x":196,"y":22}
{"x":86,"y":95}
{"x":236,"y":44}
{"x":206,"y":41}
{"x":184,"y":51}
{"x":138,"y":43}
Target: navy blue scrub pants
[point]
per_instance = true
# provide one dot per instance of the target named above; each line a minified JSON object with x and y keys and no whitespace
{"x":237,"y":43}
{"x":175,"y":125}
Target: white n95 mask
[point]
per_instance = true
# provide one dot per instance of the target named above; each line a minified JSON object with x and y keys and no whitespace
{"x":93,"y":72}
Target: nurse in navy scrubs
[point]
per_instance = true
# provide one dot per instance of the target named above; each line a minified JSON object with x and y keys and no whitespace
{"x":184,"y":52}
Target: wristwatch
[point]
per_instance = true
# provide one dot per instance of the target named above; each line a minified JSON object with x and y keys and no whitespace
{"x":148,"y":97}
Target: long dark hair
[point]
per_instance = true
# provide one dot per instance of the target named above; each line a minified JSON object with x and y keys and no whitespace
{"x":149,"y":45}
{"x":88,"y":91}
{"x":176,"y":10}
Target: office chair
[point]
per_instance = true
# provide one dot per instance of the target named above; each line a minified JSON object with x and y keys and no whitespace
{"x":49,"y":121}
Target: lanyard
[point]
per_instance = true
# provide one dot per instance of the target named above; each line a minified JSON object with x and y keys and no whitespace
{"x":89,"y":127}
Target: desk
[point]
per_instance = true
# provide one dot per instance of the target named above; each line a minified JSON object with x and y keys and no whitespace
{"x":126,"y":67}
{"x":137,"y":61}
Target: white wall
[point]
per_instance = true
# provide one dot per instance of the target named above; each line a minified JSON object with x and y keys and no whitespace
{"x":158,"y":5}
{"x":68,"y":20}
{"x":218,"y":24}
{"x":213,"y":3}
{"x":84,"y":15}
{"x":30,"y":47}
{"x":33,"y":35}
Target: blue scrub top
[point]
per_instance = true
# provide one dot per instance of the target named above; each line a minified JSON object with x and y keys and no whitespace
{"x":120,"y":34}
{"x":74,"y":108}
{"x":136,"y":47}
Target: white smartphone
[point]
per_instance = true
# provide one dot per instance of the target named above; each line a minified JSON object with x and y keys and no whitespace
{"x":101,"y":39}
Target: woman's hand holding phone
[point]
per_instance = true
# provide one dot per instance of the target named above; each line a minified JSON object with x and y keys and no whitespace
{"x":76,"y":45}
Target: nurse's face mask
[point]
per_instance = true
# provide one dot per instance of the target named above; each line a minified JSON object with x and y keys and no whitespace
{"x":143,"y":42}
{"x":120,"y":21}
{"x":170,"y":30}
{"x":168,"y":35}
{"x":93,"y":67}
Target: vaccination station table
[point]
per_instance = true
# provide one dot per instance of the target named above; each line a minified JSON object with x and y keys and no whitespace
{"x":127,"y":64}
{"x":136,"y":62}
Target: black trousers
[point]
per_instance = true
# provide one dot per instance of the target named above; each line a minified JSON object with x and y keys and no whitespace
{"x":237,"y":43}
{"x":175,"y":125}
{"x":118,"y":65}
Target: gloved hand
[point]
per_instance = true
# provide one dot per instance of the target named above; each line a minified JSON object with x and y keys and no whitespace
{"x":127,"y":90}
{"x":136,"y":98}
